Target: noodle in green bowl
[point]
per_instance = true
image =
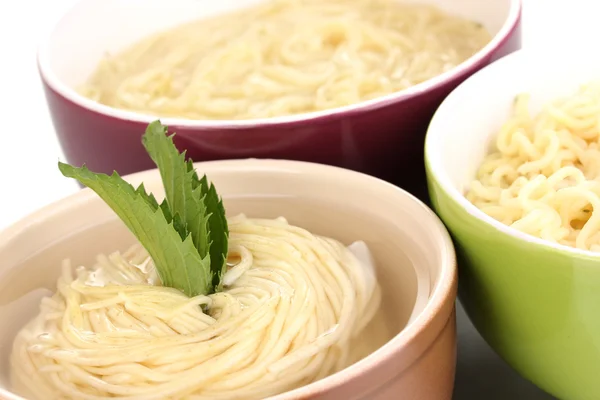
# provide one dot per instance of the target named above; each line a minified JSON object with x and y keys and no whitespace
{"x":512,"y":162}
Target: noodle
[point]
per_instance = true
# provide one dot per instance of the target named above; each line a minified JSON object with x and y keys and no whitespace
{"x":285,"y":57}
{"x":292,"y":305}
{"x":544,"y":177}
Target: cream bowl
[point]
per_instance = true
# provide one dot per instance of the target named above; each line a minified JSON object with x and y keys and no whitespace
{"x":413,"y":253}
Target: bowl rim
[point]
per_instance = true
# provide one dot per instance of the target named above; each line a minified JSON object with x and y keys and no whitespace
{"x":439,"y":175}
{"x":51,"y":79}
{"x":443,"y":292}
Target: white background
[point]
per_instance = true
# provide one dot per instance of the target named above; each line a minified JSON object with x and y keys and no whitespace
{"x":29,"y":151}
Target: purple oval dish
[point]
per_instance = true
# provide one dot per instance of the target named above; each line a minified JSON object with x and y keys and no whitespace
{"x":382,"y":137}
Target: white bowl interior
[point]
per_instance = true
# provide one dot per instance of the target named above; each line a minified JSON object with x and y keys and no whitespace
{"x":465,"y":126}
{"x":412,"y":250}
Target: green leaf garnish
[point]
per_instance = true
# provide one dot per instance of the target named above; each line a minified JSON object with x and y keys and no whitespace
{"x":175,"y":256}
{"x":217,"y":225}
{"x":187,"y":234}
{"x":180,"y":195}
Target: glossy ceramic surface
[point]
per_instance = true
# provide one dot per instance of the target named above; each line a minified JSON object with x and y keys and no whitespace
{"x":534,"y":302}
{"x":383,"y":137}
{"x":413,"y":253}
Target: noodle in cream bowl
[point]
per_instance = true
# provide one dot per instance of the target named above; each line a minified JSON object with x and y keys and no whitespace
{"x":351,"y":83}
{"x":237,"y":279}
{"x":513,"y":164}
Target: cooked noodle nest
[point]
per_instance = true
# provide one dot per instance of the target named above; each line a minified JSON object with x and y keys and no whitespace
{"x":292,"y":306}
{"x":543,"y":178}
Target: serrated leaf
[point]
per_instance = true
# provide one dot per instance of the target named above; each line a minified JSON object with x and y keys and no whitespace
{"x":148,"y":197}
{"x":172,"y":249}
{"x":193,"y":199}
{"x":218,"y":228}
{"x":177,"y":181}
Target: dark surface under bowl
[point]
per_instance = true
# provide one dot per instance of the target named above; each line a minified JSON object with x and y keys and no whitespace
{"x":482,"y":374}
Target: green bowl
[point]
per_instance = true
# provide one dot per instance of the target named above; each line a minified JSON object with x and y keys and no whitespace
{"x":536,"y":303}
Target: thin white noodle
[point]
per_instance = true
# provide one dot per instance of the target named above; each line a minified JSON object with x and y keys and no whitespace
{"x":292,"y":306}
{"x":285,"y":57}
{"x":544,"y":176}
